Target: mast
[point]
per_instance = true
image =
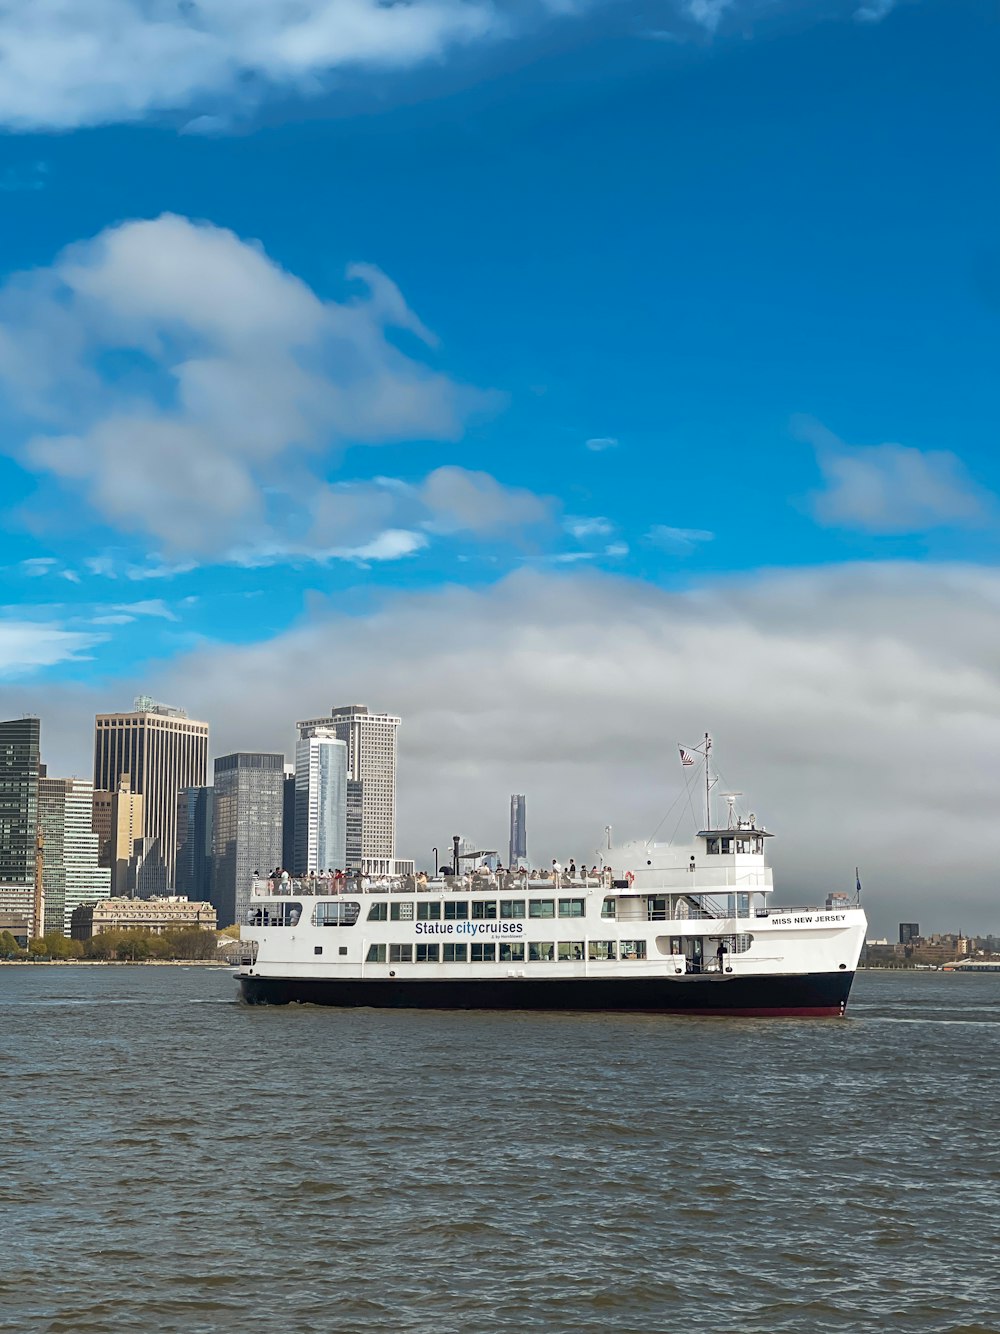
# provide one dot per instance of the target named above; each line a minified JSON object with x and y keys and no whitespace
{"x":708,"y":784}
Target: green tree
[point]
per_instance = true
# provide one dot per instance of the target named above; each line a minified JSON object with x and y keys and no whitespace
{"x":9,"y":948}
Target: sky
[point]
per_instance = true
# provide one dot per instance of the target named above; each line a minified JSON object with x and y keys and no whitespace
{"x":570,"y":377}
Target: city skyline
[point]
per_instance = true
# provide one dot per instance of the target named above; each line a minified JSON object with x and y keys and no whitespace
{"x":543,"y":377}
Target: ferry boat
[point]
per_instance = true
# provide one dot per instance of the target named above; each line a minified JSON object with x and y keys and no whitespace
{"x":660,"y":927}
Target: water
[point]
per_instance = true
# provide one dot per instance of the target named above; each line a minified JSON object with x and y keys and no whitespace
{"x":177,"y":1162}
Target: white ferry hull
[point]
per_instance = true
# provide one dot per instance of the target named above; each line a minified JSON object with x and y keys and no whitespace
{"x":814,"y":995}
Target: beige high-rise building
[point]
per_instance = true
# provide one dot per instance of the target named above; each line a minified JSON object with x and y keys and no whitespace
{"x":161,"y":750}
{"x":118,"y":826}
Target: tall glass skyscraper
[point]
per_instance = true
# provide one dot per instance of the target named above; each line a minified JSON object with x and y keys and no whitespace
{"x":71,"y":873}
{"x":518,"y":847}
{"x":195,"y":817}
{"x":320,"y":802}
{"x":19,"y":774}
{"x":246,"y":827}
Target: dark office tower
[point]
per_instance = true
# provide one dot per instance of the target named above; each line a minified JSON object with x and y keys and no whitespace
{"x":194,"y":843}
{"x":247,"y":827}
{"x":908,"y":931}
{"x":19,"y":773}
{"x":518,"y":849}
{"x":163,"y":751}
{"x":288,"y":824}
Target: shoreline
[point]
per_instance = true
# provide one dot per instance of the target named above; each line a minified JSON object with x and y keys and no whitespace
{"x":117,"y":963}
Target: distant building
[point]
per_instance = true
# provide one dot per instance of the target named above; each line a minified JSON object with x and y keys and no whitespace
{"x":163,"y":751}
{"x":19,"y":777}
{"x":117,"y":822}
{"x":288,"y":820}
{"x":247,"y":827}
{"x":194,"y":842}
{"x":518,"y":845}
{"x":154,"y":915}
{"x":908,"y":931}
{"x":71,"y":875}
{"x":320,"y":801}
{"x":371,"y":761}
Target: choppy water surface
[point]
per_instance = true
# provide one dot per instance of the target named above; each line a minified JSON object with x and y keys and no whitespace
{"x":177,"y":1162}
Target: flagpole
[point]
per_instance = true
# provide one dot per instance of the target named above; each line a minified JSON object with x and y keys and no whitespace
{"x":708,"y":784}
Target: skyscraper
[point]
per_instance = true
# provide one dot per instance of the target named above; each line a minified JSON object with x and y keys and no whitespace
{"x":320,"y":801}
{"x":518,"y":849}
{"x":371,"y":761}
{"x":71,"y":875}
{"x":118,"y":826}
{"x":19,"y":775}
{"x":288,"y":820}
{"x":247,"y":822}
{"x":162,"y":751}
{"x":195,"y":817}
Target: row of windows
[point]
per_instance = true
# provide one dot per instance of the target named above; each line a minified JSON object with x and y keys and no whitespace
{"x":508,"y":951}
{"x":452,"y":910}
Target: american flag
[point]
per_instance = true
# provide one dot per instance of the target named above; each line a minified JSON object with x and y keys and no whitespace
{"x":686,"y":756}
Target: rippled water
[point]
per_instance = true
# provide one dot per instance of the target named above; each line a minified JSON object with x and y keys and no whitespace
{"x":177,"y":1162}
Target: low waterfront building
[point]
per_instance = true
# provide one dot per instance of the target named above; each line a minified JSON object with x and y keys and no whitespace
{"x":153,"y":915}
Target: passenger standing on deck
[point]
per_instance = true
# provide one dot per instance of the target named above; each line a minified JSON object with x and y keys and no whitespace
{"x":556,"y":871}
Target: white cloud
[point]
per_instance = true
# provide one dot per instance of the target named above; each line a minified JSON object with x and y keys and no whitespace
{"x":236,"y":379}
{"x":677,"y":539}
{"x":616,"y":549}
{"x":875,"y":11}
{"x":37,"y":566}
{"x":460,"y":500}
{"x":858,"y":708}
{"x":582,"y":528}
{"x":155,"y":607}
{"x":707,"y":13}
{"x":597,"y":444}
{"x":27,"y":647}
{"x":891,"y":488}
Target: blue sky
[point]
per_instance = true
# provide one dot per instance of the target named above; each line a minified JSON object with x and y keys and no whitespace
{"x":685,"y":293}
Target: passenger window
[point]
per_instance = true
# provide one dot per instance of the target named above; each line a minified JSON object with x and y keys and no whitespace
{"x":512,"y":951}
{"x":601,"y":950}
{"x":400,"y":953}
{"x":483,"y":952}
{"x":455,"y":912}
{"x":378,"y":912}
{"x":483,"y":911}
{"x":571,"y":950}
{"x":571,"y":907}
{"x":608,"y":908}
{"x":428,"y":953}
{"x":510,"y":908}
{"x":428,"y":912}
{"x":542,"y":908}
{"x":401,"y":912}
{"x":633,"y":949}
{"x":376,"y":954}
{"x":541,"y":951}
{"x":454,"y":953}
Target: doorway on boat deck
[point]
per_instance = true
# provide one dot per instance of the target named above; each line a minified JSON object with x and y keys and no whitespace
{"x":694,"y":952}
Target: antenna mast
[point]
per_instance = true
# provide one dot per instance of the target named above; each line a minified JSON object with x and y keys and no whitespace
{"x":708,"y":784}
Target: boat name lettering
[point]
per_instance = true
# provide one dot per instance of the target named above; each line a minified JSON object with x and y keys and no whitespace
{"x":468,"y":928}
{"x":810,"y":920}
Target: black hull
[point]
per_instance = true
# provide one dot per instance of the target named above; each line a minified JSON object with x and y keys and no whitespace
{"x":814,"y":995}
